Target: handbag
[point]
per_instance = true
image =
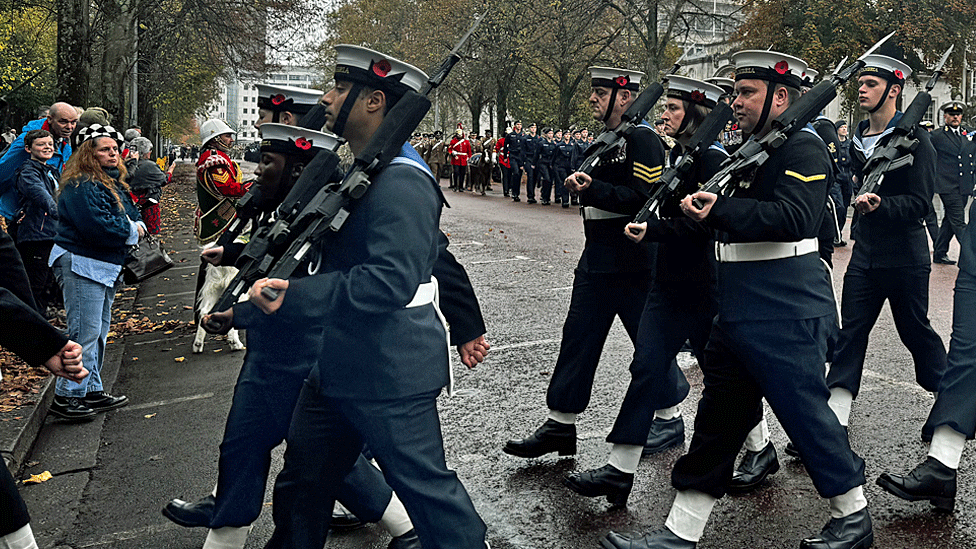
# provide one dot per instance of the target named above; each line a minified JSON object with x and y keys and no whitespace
{"x":145,"y":260}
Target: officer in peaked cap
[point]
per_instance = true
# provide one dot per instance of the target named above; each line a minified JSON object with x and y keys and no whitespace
{"x":384,"y":357}
{"x":769,"y":338}
{"x":954,"y":181}
{"x":613,"y":275}
{"x":284,"y":104}
{"x":731,"y":136}
{"x":890,"y":259}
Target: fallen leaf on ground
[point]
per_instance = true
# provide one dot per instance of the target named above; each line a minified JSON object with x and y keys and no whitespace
{"x":37,"y":479}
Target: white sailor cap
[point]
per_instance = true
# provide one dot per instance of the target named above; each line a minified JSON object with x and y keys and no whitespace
{"x":727,"y":84}
{"x":295,"y":140}
{"x":610,"y":77}
{"x":376,"y":70}
{"x":810,"y":77}
{"x":886,"y":67}
{"x":695,"y":91}
{"x":274,"y":97}
{"x":771,"y":66}
{"x":953,"y":107}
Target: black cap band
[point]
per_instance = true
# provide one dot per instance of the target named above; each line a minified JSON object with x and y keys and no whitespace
{"x":771,"y":75}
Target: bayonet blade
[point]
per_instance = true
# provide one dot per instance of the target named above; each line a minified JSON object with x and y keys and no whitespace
{"x":945,"y":57}
{"x":840,"y":65}
{"x":877,"y":45}
{"x":474,"y":26}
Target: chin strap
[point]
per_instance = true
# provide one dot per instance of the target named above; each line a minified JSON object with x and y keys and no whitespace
{"x":340,"y":123}
{"x":884,"y":97}
{"x":613,"y":99}
{"x":275,"y":117}
{"x":767,"y":105}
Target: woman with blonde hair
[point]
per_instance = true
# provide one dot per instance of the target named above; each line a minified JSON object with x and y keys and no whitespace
{"x":98,"y":223}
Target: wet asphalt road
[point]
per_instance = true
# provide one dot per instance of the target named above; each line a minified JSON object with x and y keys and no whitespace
{"x":112,"y":476}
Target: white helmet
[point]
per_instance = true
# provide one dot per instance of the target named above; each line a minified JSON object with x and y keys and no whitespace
{"x":212,"y":128}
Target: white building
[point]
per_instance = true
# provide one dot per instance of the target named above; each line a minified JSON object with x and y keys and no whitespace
{"x":238,"y":102}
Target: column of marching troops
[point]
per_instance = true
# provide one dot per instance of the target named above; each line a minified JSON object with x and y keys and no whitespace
{"x":355,"y":342}
{"x":545,"y":160}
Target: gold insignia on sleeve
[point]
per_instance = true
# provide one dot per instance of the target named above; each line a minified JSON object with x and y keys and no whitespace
{"x":649,"y":175}
{"x":806,"y":178}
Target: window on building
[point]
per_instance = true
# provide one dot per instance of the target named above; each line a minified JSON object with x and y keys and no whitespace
{"x":253,"y":111}
{"x":245,"y":111}
{"x":930,"y":113}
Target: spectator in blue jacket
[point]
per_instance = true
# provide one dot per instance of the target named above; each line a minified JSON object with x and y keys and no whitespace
{"x":35,"y":224}
{"x":60,"y":121}
{"x":97,"y":224}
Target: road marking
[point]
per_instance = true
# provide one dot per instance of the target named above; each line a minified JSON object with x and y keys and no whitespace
{"x":523,"y":344}
{"x":910,"y":386}
{"x":116,"y":537}
{"x":562,"y":288}
{"x":184,"y":268}
{"x":177,"y":294}
{"x":472,"y":243}
{"x":516,"y":258}
{"x":167,"y":402}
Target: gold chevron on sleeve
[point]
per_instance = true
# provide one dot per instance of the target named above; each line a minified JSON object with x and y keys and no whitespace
{"x":649,"y":175}
{"x":806,"y":178}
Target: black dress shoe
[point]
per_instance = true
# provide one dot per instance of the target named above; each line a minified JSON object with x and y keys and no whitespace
{"x":100,"y":401}
{"x":191,"y":515}
{"x":565,"y":204}
{"x":71,"y":410}
{"x":406,"y":541}
{"x":851,"y":532}
{"x":545,"y":203}
{"x":753,"y":469}
{"x":343,"y":519}
{"x":530,"y":201}
{"x":516,"y":199}
{"x":791,"y":450}
{"x":943,"y":260}
{"x":605,"y":481}
{"x":664,"y":434}
{"x":552,"y":436}
{"x":931,"y":481}
{"x":662,"y":539}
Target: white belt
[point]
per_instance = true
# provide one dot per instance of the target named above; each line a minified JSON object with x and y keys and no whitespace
{"x":427,"y":293}
{"x":591,"y":213}
{"x":763,"y":251}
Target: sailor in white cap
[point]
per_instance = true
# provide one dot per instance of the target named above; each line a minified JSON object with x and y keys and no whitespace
{"x":954,"y":181}
{"x":611,"y":280}
{"x":284,"y":104}
{"x":890,"y":259}
{"x":383,"y":359}
{"x":769,"y":338}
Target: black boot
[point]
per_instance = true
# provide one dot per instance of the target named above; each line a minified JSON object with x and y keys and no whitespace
{"x":343,"y":519}
{"x":406,"y":541}
{"x":662,"y":539}
{"x":191,"y":515}
{"x":605,"y":481}
{"x":851,"y":532}
{"x":551,"y":437}
{"x":931,"y":481}
{"x":664,"y":434}
{"x":753,"y":469}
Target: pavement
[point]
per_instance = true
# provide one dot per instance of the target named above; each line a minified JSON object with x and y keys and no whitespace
{"x":112,"y":476}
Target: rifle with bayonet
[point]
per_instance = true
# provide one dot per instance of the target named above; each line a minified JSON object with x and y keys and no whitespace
{"x":754,"y":152}
{"x":611,"y":140}
{"x":302,"y":224}
{"x":671,"y":180}
{"x":899,"y":152}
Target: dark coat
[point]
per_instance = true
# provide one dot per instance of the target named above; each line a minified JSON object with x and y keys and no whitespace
{"x":37,"y":183}
{"x":955,"y":162}
{"x":91,"y":223}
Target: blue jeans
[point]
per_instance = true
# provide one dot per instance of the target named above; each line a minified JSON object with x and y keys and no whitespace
{"x":88,"y":305}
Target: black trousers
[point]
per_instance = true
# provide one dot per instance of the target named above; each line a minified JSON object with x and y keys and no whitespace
{"x":531,"y":177}
{"x":457,"y":179}
{"x":596,"y":300}
{"x":545,"y":176}
{"x":260,"y":414}
{"x":670,"y":317}
{"x":13,"y":510}
{"x":932,"y":225}
{"x":561,"y":192}
{"x":907,"y":291}
{"x":324,"y":442}
{"x":43,"y":286}
{"x":783,"y":361}
{"x":515,"y":179}
{"x":956,"y":406}
{"x":953,"y":223}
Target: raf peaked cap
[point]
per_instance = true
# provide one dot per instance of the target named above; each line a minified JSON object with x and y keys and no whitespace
{"x":277,"y":98}
{"x":887,"y":68}
{"x":376,"y":70}
{"x":295,"y":140}
{"x":695,"y":91}
{"x":609,"y":77}
{"x":771,"y":66}
{"x":953,"y":107}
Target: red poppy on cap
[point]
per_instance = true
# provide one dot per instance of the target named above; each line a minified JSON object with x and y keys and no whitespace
{"x":382,"y":68}
{"x":303,"y":144}
{"x":899,"y":75}
{"x":697,"y":96}
{"x":782,"y":67}
{"x":278,"y":99}
{"x":622,"y":81}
